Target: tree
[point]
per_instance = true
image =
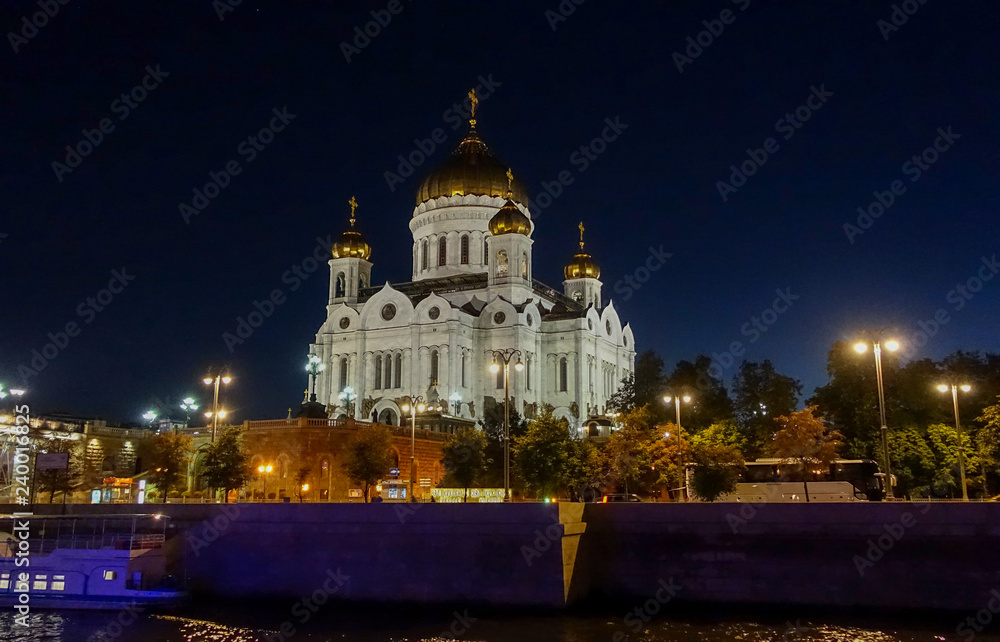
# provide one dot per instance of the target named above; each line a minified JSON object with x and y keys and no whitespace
{"x":588,"y":471}
{"x":492,"y":424}
{"x":988,"y":438}
{"x":629,"y":450}
{"x":671,"y":453}
{"x":464,"y":458}
{"x":722,"y":433}
{"x":166,"y":457}
{"x":226,"y":465}
{"x":716,"y":471}
{"x":804,"y":440}
{"x":943,"y":442}
{"x":642,"y":387}
{"x":850,"y":399}
{"x":369,"y":456}
{"x":300,"y":479}
{"x":61,"y":480}
{"x":543,"y":453}
{"x":760,"y":394}
{"x":710,"y":401}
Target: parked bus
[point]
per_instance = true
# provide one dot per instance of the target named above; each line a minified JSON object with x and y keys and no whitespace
{"x":777,"y":480}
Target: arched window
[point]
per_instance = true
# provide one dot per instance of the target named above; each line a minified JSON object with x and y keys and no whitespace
{"x":502,"y":263}
{"x":341,"y":288}
{"x":463,"y":370}
{"x":399,"y":371}
{"x":578,"y":296}
{"x":595,"y":430}
{"x":500,"y":378}
{"x":563,"y":374}
{"x":423,"y":255}
{"x":324,"y":468}
{"x":388,"y":371}
{"x":343,"y":374}
{"x":524,"y":265}
{"x":527,"y":373}
{"x":362,"y":281}
{"x":465,"y":249}
{"x":442,"y":251}
{"x":486,"y":252}
{"x":434,"y":366}
{"x":378,"y":372}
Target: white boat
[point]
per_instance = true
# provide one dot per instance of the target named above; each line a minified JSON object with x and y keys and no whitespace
{"x":93,"y":562}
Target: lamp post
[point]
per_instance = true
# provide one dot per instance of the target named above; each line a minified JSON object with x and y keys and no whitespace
{"x":188,"y":404}
{"x":676,"y":400}
{"x":314,"y":366}
{"x":17,"y":392}
{"x":505,"y":356}
{"x":413,"y":406}
{"x":264,"y":471}
{"x":456,"y":401}
{"x":958,"y":429}
{"x":347,"y":397}
{"x":150,"y":416}
{"x":215,"y":405}
{"x":891,"y":345}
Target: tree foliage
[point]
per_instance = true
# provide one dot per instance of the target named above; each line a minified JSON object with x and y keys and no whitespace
{"x":166,"y":457}
{"x":761,"y":394}
{"x":716,"y":471}
{"x":629,"y":451}
{"x":368,"y":456}
{"x":62,"y":480}
{"x":464,"y":458}
{"x":710,"y":399}
{"x":226,"y":465}
{"x":543,"y":454}
{"x":493,"y":430}
{"x":803,"y":439}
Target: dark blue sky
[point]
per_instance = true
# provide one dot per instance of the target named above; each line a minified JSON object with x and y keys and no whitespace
{"x":655,"y":185}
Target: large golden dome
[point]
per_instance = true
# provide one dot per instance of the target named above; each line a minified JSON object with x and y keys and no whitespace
{"x":582,"y":266}
{"x":510,"y":220}
{"x":351,"y":243}
{"x":471,"y":169}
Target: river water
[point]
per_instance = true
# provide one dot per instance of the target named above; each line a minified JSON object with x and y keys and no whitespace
{"x":335,"y":622}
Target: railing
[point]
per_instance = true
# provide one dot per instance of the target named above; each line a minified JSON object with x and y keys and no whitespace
{"x":96,"y":541}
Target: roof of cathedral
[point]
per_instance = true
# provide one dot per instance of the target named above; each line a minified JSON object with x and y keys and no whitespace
{"x":582,"y":266}
{"x":351,"y":243}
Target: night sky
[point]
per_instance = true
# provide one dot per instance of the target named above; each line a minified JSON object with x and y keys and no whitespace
{"x":871,"y":99}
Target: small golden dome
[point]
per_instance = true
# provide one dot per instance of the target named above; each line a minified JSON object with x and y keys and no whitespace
{"x":510,"y":220}
{"x":582,"y":266}
{"x":351,"y":243}
{"x":471,"y":169}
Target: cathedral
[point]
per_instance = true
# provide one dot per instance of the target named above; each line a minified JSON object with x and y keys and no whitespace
{"x":472,"y":293}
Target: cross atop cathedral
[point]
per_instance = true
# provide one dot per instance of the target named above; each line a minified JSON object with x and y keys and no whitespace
{"x":474,"y":100}
{"x":354,"y":205}
{"x":510,"y":181}
{"x":582,"y":228}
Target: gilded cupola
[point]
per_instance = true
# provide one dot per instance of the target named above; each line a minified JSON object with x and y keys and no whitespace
{"x":351,"y":243}
{"x":582,"y":266}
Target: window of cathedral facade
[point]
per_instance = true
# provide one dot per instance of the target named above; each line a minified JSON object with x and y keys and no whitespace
{"x":527,"y":372}
{"x":486,"y":252}
{"x":378,"y":372}
{"x":442,"y":251}
{"x":434,"y":366}
{"x":463,"y":369}
{"x":399,"y":371}
{"x":423,"y":255}
{"x":562,"y":374}
{"x":341,"y":288}
{"x":465,"y":250}
{"x":388,"y":371}
{"x":343,"y":374}
{"x":502,"y":263}
{"x":499,"y":378}
{"x":524,"y":265}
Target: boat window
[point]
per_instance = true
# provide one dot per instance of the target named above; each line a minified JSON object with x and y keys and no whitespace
{"x":58,"y":582}
{"x":5,"y":581}
{"x":41,"y":583}
{"x":110,"y":575}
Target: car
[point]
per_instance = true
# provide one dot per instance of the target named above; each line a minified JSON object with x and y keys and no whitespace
{"x":620,"y":497}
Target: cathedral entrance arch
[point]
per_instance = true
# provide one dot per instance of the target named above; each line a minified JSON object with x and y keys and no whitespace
{"x":387,"y":412}
{"x":388,"y":417}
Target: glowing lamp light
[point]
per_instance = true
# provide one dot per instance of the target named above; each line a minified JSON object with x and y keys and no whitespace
{"x":226,"y":379}
{"x":207,"y":380}
{"x":494,"y":367}
{"x":519,"y":366}
{"x":421,"y":407}
{"x":892,"y":345}
{"x":687,"y":398}
{"x":966,"y":388}
{"x":860,"y":347}
{"x":943,"y":388}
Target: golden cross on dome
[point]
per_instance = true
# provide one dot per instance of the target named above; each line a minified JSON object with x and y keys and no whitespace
{"x":475,"y":101}
{"x":582,"y":228}
{"x":354,"y":205}
{"x":510,"y":180}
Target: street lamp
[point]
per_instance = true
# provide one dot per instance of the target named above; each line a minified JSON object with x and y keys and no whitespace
{"x":505,"y":356}
{"x":149,"y":416}
{"x":456,"y":400}
{"x":891,"y":345}
{"x":17,"y":392}
{"x":676,"y":400}
{"x":347,"y":397}
{"x":314,"y":366}
{"x":215,"y":406}
{"x":958,"y":428}
{"x":264,"y":470}
{"x":187,"y":406}
{"x":413,"y":406}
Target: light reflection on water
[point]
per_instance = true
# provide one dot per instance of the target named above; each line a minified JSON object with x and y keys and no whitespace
{"x":232,"y":625}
